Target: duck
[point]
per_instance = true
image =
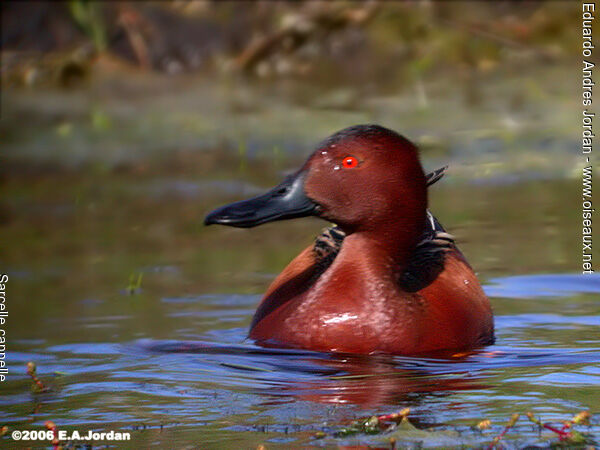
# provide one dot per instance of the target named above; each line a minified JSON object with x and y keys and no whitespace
{"x":386,"y":277}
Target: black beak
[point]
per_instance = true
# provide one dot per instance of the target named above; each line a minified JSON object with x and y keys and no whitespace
{"x":285,"y":201}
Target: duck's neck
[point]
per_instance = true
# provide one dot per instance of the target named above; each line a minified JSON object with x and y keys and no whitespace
{"x":385,"y":251}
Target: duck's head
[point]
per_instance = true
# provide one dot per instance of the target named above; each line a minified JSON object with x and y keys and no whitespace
{"x":363,"y":178}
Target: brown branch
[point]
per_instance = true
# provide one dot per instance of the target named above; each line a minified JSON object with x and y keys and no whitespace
{"x":323,"y":17}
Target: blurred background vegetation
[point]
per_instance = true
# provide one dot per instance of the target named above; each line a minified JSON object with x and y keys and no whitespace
{"x":60,"y":41}
{"x":115,"y":81}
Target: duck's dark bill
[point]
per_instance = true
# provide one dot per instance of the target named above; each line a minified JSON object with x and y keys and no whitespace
{"x":285,"y":201}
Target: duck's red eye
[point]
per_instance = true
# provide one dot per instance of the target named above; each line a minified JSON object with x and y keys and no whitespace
{"x":349,"y":162}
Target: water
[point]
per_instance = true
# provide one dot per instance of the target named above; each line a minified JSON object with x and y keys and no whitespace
{"x":210,"y":387}
{"x":171,"y":363}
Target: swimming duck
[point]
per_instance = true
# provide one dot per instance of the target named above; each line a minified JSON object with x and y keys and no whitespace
{"x":387,"y":278}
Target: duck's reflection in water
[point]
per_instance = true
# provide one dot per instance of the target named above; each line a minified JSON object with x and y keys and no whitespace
{"x":371,"y":381}
{"x":364,"y":380}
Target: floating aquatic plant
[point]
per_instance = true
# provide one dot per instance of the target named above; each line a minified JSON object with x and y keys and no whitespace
{"x":566,"y":433}
{"x":397,"y":427}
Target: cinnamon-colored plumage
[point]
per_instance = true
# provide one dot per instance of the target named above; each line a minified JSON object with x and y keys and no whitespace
{"x":391,"y":281}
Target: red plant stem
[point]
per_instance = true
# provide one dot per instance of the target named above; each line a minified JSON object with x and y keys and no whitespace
{"x":388,"y":417}
{"x":498,"y":438}
{"x":510,"y":424}
{"x":565,"y":426}
{"x":394,"y":416}
{"x":561,"y":433}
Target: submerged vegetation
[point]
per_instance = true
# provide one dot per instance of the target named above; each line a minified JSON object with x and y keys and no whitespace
{"x":396,"y":429}
{"x":37,"y":385}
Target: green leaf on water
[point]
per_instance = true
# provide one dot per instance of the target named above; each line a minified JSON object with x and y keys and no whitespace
{"x":407,"y":431}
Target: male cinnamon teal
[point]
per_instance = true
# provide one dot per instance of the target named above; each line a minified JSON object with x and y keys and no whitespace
{"x":387,"y":277}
